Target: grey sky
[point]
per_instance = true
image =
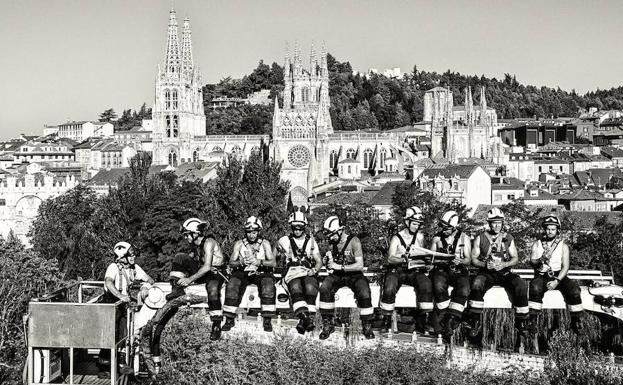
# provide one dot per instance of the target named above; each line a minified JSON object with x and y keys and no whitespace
{"x":74,"y":58}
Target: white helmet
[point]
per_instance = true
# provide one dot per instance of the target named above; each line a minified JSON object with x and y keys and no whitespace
{"x":193,"y":225}
{"x":121,"y":249}
{"x":253,"y":223}
{"x":450,"y":219}
{"x":495,"y":215}
{"x":414,"y":213}
{"x":297,"y":218}
{"x":332,"y":224}
{"x":551,"y":219}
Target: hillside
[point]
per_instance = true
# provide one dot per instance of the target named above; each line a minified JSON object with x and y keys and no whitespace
{"x":378,"y":102}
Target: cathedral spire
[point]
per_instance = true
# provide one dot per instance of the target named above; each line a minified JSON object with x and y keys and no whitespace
{"x":313,"y":61}
{"x":483,"y":106}
{"x":298,"y":65}
{"x":286,"y":62}
{"x":172,"y":59}
{"x":276,"y":118}
{"x":187,"y":48}
{"x":324,"y":71}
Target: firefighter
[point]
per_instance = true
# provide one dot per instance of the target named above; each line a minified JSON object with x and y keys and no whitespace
{"x":252,"y":262}
{"x":494,"y":253}
{"x":207,"y":266}
{"x":453,"y":241}
{"x":204,"y":265}
{"x":406,"y":264}
{"x":550,"y":259}
{"x":345,"y":265}
{"x":120,"y":276}
{"x":302,"y":265}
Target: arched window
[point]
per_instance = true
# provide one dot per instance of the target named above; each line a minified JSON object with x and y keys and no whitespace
{"x":305,"y":94}
{"x":350,"y":153}
{"x":168,"y":119}
{"x":173,"y":158}
{"x":174,"y":98}
{"x":367,"y":158}
{"x":383,"y":155}
{"x":175,"y":125}
{"x":333,"y":160}
{"x":196,"y":155}
{"x":167,"y":99}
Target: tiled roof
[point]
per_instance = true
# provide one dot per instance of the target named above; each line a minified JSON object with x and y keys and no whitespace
{"x":462,"y":171}
{"x":612,"y":152}
{"x":581,"y":195}
{"x":385,"y":194}
{"x":346,"y":198}
{"x":508,"y":183}
{"x":108,"y":177}
{"x":585,"y":220}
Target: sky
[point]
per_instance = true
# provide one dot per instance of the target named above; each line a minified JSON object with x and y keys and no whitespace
{"x":72,"y":59}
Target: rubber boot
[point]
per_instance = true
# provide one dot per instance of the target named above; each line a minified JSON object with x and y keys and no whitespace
{"x":268,"y":324}
{"x":215,"y":335}
{"x":311,"y":323}
{"x":387,"y":324}
{"x":327,"y":328}
{"x":421,"y":322}
{"x":522,"y":327}
{"x":533,"y":324}
{"x":576,"y":323}
{"x":304,"y":320}
{"x":366,"y":329}
{"x":229,"y":323}
{"x":449,"y":323}
{"x":475,"y":325}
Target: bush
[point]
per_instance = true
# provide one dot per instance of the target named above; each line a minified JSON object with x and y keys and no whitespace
{"x":190,"y":358}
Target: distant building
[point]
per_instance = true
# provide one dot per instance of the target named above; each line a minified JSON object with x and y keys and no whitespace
{"x":506,"y":190}
{"x":533,"y":134}
{"x":466,"y":184}
{"x":22,"y":193}
{"x":82,"y":130}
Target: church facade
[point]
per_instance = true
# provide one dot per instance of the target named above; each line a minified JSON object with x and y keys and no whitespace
{"x":303,"y":139}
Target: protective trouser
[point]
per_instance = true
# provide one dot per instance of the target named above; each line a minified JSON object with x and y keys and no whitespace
{"x":303,"y":293}
{"x":237,"y":285}
{"x":512,"y":283}
{"x":458,"y":278}
{"x":568,"y":288}
{"x":183,"y":266}
{"x":397,"y":277}
{"x":152,"y":331}
{"x":357,"y":282}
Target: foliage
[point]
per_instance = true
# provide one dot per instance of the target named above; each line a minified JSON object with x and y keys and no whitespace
{"x":599,"y":249}
{"x":131,"y":118}
{"x":108,"y":115}
{"x":246,"y":119}
{"x":23,"y":275}
{"x":407,"y":195}
{"x":376,"y":101}
{"x":67,"y":229}
{"x":359,"y":219}
{"x":572,"y":363}
{"x":191,"y":358}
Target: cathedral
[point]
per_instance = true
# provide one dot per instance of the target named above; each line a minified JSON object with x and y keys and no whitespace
{"x":461,"y":131}
{"x":303,"y":139}
{"x":312,"y":153}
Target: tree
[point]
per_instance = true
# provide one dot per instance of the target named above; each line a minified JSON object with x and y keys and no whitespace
{"x":108,"y":115}
{"x":23,"y":275}
{"x":65,"y":230}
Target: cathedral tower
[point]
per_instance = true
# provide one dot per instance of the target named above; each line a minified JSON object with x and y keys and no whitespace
{"x":178,"y":114}
{"x":301,"y":127}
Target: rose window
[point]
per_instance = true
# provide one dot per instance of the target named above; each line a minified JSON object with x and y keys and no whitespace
{"x":299,"y":156}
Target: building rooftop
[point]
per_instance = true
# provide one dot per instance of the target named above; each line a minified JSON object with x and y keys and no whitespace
{"x":462,"y":171}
